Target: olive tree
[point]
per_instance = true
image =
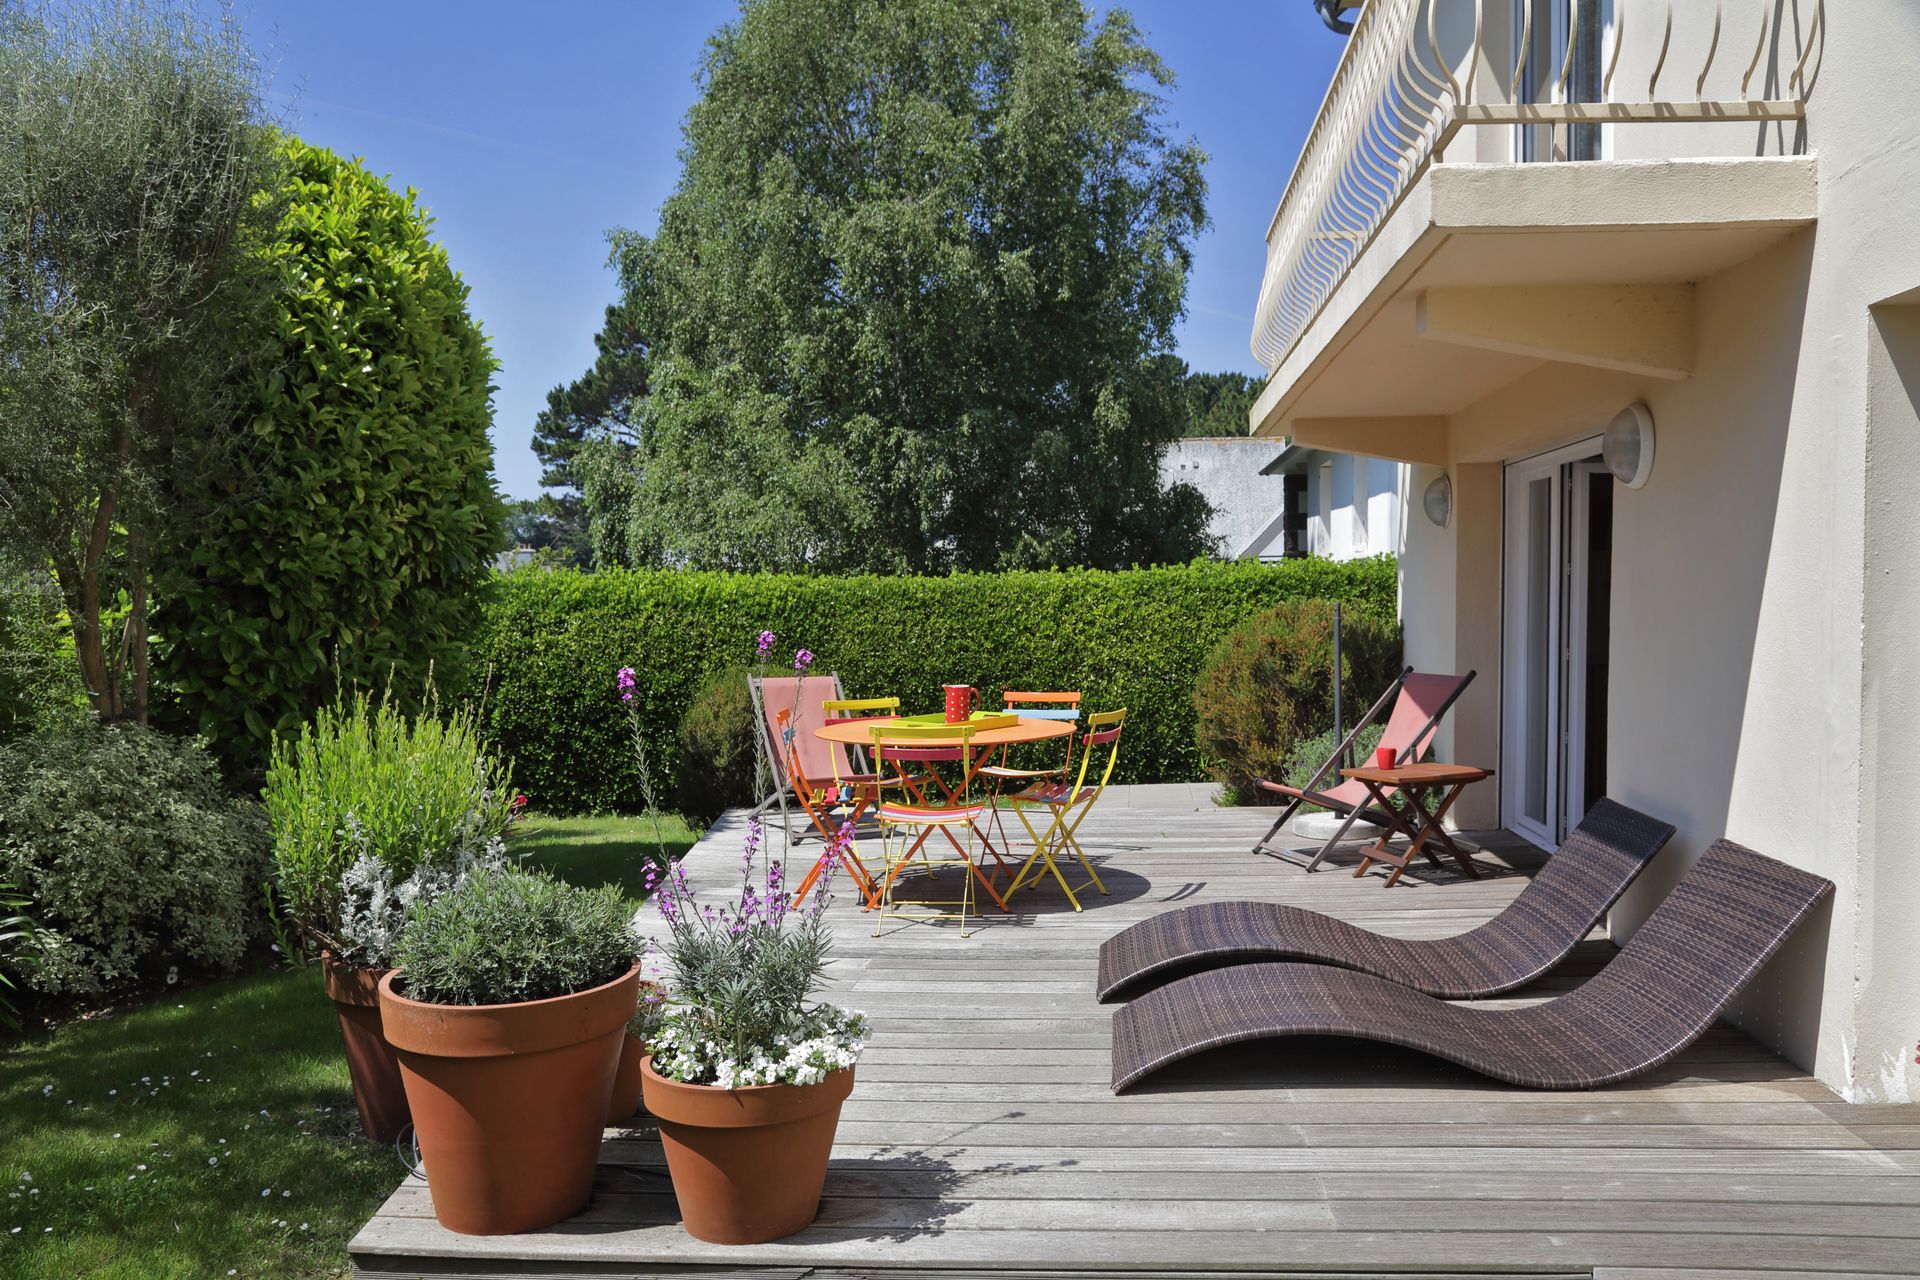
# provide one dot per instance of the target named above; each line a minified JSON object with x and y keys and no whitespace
{"x":134,"y":148}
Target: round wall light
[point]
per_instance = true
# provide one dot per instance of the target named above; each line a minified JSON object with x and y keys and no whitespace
{"x":1438,"y":499}
{"x":1627,"y":445}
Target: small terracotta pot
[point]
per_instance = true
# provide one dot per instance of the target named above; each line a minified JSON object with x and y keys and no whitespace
{"x":747,"y":1164}
{"x":626,"y":1080}
{"x":377,"y":1090}
{"x":509,"y":1099}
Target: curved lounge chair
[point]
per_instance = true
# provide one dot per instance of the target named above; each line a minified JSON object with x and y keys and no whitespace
{"x":1536,"y":931}
{"x":1727,"y":916}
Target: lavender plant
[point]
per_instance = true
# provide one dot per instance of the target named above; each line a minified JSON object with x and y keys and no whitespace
{"x":743,"y":976}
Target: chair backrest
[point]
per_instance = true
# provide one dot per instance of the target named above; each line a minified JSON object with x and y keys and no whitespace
{"x":1103,"y":730}
{"x":1725,"y":919}
{"x":899,"y":745}
{"x":1423,"y":701}
{"x":845,"y":710}
{"x":803,"y":698}
{"x":1567,"y":896}
{"x":1062,"y":705}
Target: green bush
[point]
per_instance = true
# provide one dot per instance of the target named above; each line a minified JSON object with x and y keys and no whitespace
{"x":1135,"y":638}
{"x":133,"y":855}
{"x":505,"y":936}
{"x":1268,"y":684}
{"x":39,"y":679}
{"x":717,"y":750}
{"x":356,"y":542}
{"x":365,"y":779}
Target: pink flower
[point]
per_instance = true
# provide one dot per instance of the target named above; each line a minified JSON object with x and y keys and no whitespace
{"x":802,"y":659}
{"x":764,"y":645}
{"x":625,"y":683}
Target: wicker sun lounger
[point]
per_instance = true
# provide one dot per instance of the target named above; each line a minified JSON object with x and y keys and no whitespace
{"x":1700,"y":947}
{"x":1536,"y":931}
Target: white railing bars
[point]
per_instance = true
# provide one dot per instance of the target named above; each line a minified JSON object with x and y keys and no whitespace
{"x":1410,"y":80}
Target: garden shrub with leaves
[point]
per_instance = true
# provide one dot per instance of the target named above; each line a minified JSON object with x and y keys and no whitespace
{"x":1134,"y":638}
{"x":717,"y":747}
{"x":1268,"y":685}
{"x":355,"y":543}
{"x":364,"y":779}
{"x":135,"y":858}
{"x":505,"y":936}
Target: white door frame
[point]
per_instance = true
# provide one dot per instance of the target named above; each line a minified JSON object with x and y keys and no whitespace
{"x":1516,"y":609}
{"x":1574,"y":798}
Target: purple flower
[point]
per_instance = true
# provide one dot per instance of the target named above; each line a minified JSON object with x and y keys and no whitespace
{"x":764,"y":645}
{"x":802,"y":659}
{"x":625,"y":682}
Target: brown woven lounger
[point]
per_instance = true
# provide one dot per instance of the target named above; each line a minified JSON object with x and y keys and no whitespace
{"x":1593,"y":868}
{"x":1727,"y":916}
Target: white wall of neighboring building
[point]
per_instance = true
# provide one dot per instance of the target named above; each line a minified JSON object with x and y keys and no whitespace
{"x":1354,"y":506}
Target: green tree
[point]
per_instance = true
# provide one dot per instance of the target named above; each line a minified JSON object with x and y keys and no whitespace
{"x":906,"y":306}
{"x":364,"y":525}
{"x":1218,"y":403}
{"x":133,"y":148}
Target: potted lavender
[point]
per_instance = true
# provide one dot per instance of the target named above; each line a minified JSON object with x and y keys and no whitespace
{"x":746,"y":1074}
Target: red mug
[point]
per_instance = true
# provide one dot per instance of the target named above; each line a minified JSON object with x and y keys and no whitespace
{"x":962,"y":701}
{"x":1383,"y":757}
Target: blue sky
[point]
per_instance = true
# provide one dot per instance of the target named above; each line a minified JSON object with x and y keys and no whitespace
{"x":530,"y":129}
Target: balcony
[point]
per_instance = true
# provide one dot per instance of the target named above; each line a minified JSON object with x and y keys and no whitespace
{"x":1474,"y":159}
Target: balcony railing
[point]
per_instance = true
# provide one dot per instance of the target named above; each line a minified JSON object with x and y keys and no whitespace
{"x":1417,"y":72}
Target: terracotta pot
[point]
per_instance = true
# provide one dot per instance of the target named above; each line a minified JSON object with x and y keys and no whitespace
{"x":377,"y":1090}
{"x":747,"y":1164}
{"x":626,"y":1080}
{"x":509,"y":1099}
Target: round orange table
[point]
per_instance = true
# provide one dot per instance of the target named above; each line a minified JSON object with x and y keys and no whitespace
{"x":859,"y":733}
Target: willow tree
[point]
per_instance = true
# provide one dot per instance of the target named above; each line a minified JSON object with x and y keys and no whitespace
{"x":906,"y":308}
{"x":133,"y":148}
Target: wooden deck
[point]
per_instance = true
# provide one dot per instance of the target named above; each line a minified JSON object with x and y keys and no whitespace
{"x":981,"y":1136}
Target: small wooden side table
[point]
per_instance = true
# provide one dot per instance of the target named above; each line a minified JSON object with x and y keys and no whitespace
{"x":1415,"y":782}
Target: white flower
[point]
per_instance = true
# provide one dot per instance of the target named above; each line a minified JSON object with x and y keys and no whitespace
{"x":213,"y":1160}
{"x":265,"y":1192}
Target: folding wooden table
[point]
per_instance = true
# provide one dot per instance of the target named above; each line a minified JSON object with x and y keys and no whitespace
{"x":1415,"y":782}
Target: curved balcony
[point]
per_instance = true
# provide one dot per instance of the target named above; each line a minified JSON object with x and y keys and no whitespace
{"x":1534,"y":80}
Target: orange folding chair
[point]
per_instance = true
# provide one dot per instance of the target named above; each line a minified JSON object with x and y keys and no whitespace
{"x":1069,"y":803}
{"x":1032,"y":706}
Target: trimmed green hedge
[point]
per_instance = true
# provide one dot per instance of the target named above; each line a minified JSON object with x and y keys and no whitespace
{"x":551,"y":641}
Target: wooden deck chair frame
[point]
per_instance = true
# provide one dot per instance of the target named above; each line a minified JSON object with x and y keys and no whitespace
{"x":1311,"y":858}
{"x":776,"y":756}
{"x":1103,"y":729}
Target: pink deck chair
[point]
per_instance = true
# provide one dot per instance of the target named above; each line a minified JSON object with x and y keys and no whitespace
{"x":1419,"y":703}
{"x":822,"y":765}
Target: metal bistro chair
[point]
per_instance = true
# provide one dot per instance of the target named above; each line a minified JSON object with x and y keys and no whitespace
{"x":1069,"y":804}
{"x":906,"y":825}
{"x":1061,"y":705}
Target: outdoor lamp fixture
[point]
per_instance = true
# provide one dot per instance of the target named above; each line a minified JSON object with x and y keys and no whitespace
{"x":1627,"y":445}
{"x":1438,"y":499}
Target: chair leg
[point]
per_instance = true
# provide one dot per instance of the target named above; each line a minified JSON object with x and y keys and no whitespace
{"x":1286,"y":816}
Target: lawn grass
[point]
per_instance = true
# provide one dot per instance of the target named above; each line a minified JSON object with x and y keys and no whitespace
{"x":595,"y":851}
{"x":212,"y":1132}
{"x":206,"y":1134}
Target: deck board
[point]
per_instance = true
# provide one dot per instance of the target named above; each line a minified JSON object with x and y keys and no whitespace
{"x":981,"y":1138}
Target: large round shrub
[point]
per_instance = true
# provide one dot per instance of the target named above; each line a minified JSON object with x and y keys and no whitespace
{"x":717,"y":752}
{"x":1268,"y":684}
{"x":365,"y":521}
{"x":131,"y":853}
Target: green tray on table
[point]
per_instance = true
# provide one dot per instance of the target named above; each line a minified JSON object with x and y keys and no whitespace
{"x":981,"y":721}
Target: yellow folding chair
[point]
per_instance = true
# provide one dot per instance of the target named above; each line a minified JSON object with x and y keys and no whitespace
{"x":1069,"y":804}
{"x":906,"y":825}
{"x":1060,"y":705}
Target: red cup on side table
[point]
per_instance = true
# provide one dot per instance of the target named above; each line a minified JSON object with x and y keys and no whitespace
{"x":1383,"y":757}
{"x":962,"y":701}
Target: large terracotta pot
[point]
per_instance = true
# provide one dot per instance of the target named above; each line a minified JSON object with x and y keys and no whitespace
{"x":747,"y":1164}
{"x":509,"y":1099}
{"x":626,"y":1080}
{"x":377,"y":1090}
